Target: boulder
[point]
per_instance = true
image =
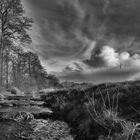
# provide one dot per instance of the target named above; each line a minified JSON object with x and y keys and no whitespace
{"x":50,"y":130}
{"x":15,"y":91}
{"x":5,"y":103}
{"x":16,"y":116}
{"x":34,"y":130}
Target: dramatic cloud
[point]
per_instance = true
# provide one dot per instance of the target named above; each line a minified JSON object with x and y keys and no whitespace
{"x":109,"y":57}
{"x":71,"y":35}
{"x":75,"y":66}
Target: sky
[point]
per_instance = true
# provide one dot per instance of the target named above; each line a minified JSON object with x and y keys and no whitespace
{"x":87,"y":40}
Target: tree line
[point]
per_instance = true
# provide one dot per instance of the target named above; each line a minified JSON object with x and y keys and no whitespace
{"x":18,"y":67}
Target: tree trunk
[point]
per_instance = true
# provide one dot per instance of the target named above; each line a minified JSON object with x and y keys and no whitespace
{"x":1,"y":69}
{"x":29,"y":65}
{"x":14,"y":79}
{"x":7,"y":70}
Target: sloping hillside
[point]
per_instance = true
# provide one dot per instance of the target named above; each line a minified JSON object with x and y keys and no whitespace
{"x":105,"y":111}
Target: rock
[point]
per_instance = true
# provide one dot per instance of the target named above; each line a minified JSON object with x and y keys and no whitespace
{"x":5,"y":103}
{"x":37,"y":103}
{"x":42,"y":113}
{"x":22,"y":125}
{"x":16,"y":116}
{"x":34,"y":130}
{"x":15,"y":91}
{"x":50,"y":130}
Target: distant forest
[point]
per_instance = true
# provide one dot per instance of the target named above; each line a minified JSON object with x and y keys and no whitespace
{"x":18,"y":67}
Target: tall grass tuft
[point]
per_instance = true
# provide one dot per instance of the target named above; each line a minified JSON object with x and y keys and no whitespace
{"x":105,"y":113}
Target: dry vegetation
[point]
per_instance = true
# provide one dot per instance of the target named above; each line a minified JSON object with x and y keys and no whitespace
{"x":103,"y":112}
{"x":23,"y":126}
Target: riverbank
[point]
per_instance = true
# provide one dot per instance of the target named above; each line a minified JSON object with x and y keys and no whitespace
{"x":101,"y":112}
{"x":22,"y":125}
{"x":26,"y":118}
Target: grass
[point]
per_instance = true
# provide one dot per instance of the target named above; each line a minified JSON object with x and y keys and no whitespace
{"x":107,"y":110}
{"x":108,"y":117}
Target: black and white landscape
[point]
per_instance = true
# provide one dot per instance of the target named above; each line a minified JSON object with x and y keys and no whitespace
{"x":69,"y":70}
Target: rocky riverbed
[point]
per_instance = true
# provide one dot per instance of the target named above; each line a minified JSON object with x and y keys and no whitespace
{"x":21,"y":118}
{"x":23,"y":126}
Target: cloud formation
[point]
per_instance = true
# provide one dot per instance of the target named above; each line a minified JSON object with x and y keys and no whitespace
{"x":65,"y":26}
{"x":95,"y":33}
{"x":109,"y":57}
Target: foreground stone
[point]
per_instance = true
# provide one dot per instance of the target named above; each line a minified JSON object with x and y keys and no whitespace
{"x":50,"y":130}
{"x":22,"y":125}
{"x":16,"y":116}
